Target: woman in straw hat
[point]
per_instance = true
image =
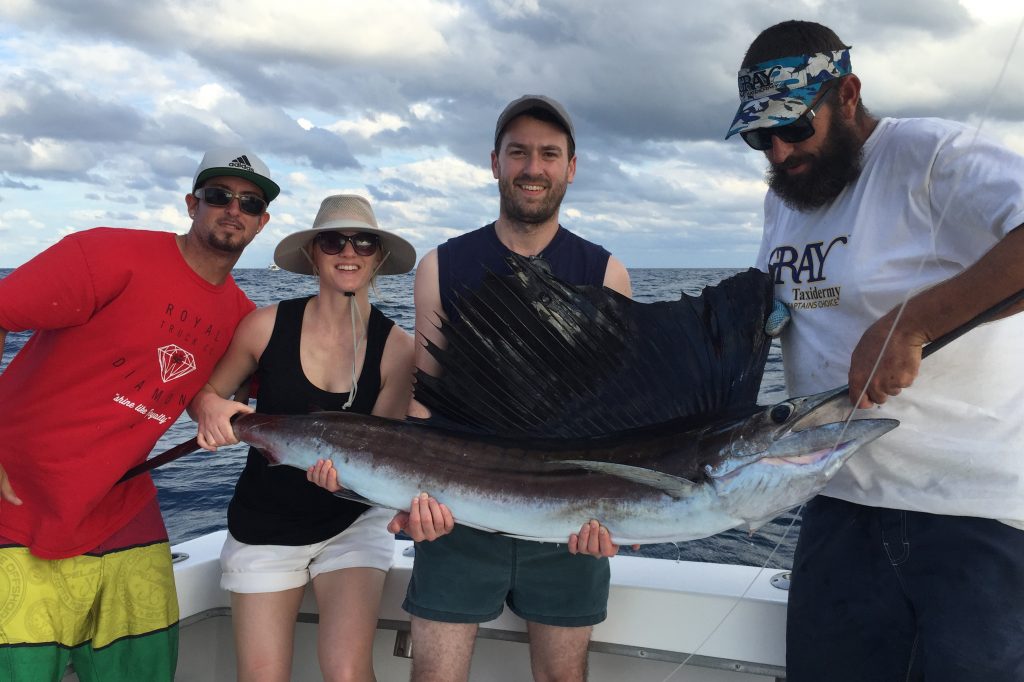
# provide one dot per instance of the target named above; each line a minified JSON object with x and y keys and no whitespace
{"x":331,"y":351}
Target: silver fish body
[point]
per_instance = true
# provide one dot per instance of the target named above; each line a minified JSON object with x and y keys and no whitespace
{"x":669,"y":482}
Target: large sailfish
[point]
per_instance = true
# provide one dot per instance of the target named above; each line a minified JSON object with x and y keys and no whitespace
{"x":557,"y":404}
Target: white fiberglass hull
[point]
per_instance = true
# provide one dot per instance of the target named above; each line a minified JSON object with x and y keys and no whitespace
{"x":659,"y":612}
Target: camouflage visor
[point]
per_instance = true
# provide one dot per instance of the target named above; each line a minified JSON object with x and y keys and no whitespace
{"x":779,"y":91}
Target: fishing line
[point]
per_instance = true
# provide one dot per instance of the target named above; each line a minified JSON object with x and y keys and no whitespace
{"x":739,"y":600}
{"x":927,"y":350}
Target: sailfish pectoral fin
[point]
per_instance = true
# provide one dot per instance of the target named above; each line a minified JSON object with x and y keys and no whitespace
{"x":347,"y":494}
{"x":673,"y":486}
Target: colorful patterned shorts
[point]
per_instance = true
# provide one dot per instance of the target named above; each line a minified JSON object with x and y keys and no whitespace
{"x":112,"y":612}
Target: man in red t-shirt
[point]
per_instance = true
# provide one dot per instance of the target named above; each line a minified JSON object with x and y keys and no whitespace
{"x":127,"y":326}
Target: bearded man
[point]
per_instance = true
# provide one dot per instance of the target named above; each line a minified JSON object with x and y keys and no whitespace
{"x":882,"y":235}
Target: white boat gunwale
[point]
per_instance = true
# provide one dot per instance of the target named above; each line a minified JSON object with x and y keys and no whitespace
{"x":659,"y":611}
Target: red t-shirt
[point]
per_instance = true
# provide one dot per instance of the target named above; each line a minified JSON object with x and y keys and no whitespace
{"x":125,"y":334}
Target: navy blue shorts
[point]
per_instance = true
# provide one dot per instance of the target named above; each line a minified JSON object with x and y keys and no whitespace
{"x":888,"y":595}
{"x":468,"y":575}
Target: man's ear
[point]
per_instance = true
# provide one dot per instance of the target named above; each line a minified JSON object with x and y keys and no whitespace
{"x":849,"y":96}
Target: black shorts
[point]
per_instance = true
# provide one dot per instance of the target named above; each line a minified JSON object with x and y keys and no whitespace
{"x":468,"y":575}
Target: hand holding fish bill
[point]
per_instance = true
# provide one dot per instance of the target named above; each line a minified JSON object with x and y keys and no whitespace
{"x":213,"y":414}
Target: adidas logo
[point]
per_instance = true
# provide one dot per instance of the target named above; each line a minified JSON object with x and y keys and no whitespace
{"x":241,"y":162}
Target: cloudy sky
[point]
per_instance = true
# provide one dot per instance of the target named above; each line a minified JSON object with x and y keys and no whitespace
{"x":106,"y":107}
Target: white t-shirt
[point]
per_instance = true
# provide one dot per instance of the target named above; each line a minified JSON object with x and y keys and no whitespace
{"x":931,"y":200}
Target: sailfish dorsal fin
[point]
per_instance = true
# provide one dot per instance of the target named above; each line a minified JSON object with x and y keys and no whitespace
{"x":532,"y":356}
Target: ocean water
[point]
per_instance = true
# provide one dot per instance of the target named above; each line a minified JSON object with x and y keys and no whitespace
{"x":194,"y":490}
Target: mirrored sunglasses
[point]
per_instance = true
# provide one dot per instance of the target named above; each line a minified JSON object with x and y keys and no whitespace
{"x":218,"y":196}
{"x":791,"y":133}
{"x":333,"y":243}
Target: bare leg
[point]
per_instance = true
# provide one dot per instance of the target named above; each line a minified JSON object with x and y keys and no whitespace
{"x":348,"y":601}
{"x":441,"y":652}
{"x":265,"y":633}
{"x":558,"y":654}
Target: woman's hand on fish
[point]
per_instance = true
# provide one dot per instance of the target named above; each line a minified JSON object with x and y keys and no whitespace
{"x":324,"y":475}
{"x":595,"y":540}
{"x":213,"y":415}
{"x":6,"y":491}
{"x":898,"y":360}
{"x":427,"y":519}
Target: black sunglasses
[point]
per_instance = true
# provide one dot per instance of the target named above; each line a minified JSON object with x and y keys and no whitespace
{"x":333,"y":243}
{"x":218,"y":196}
{"x":791,"y":133}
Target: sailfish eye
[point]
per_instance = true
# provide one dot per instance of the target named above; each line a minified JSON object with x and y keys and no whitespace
{"x":780,"y":413}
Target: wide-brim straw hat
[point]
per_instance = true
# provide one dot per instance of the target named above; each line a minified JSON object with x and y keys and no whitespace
{"x":345,"y":213}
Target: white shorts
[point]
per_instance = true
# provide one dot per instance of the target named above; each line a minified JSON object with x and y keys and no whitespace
{"x":275,"y":568}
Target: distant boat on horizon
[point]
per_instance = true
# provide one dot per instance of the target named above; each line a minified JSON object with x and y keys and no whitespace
{"x":273,"y":266}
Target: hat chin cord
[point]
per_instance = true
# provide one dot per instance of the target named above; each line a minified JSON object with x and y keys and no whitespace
{"x":357,"y":319}
{"x":312,"y":264}
{"x":387,"y":254}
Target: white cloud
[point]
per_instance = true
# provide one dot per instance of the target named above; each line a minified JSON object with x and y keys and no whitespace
{"x":109,"y":107}
{"x":994,"y":11}
{"x":369,"y":125}
{"x":398,"y":30}
{"x":446,"y":174}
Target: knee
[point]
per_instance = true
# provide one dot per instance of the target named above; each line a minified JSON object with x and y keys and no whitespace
{"x":560,"y":671}
{"x":350,"y":673}
{"x":564,"y":675}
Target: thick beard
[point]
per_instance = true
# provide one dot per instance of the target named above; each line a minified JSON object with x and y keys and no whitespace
{"x":530,"y":213}
{"x":837,"y":164}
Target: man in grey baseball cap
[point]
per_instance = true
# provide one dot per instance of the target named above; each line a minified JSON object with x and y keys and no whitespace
{"x":558,"y":590}
{"x":540,"y":107}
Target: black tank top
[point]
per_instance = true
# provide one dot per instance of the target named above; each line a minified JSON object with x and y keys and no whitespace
{"x":277,"y":505}
{"x":463,"y":261}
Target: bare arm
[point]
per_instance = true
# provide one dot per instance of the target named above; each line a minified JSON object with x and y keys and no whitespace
{"x":930,"y":314}
{"x":429,"y":313}
{"x":211,"y":407}
{"x":396,"y":376}
{"x":616,"y":277}
{"x":426,"y":519}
